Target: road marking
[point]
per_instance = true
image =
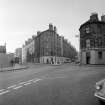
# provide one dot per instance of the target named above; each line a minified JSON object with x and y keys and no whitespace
{"x":4,"y":92}
{"x":22,"y":83}
{"x":11,"y":86}
{"x":30,"y":80}
{"x":17,"y":87}
{"x":36,"y":80}
{"x":27,"y":83}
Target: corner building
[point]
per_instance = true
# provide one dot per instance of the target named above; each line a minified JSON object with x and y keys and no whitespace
{"x":48,"y":46}
{"x":92,"y":40}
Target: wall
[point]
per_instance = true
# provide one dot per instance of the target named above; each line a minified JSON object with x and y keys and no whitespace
{"x":83,"y":57}
{"x":5,"y":60}
{"x":100,"y":61}
{"x":30,"y":48}
{"x":93,"y":57}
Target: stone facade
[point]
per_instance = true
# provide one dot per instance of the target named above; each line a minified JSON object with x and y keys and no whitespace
{"x":18,"y":54}
{"x":5,"y":59}
{"x":28,"y":50}
{"x":92,"y":40}
{"x":3,"y":49}
{"x":48,"y":47}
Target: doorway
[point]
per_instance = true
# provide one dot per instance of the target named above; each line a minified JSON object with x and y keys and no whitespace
{"x":87,"y":57}
{"x":87,"y":60}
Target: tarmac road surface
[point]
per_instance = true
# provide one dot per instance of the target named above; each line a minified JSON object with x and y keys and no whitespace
{"x":51,"y":85}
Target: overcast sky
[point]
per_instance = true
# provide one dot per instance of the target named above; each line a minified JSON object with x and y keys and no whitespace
{"x":20,"y":19}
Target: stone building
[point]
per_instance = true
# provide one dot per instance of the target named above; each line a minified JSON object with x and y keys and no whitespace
{"x":92,"y":40}
{"x":50,"y":47}
{"x":5,"y":59}
{"x":28,"y":50}
{"x":18,"y":55}
{"x":47,"y":47}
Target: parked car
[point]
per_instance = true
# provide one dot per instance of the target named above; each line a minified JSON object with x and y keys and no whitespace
{"x":100,"y":91}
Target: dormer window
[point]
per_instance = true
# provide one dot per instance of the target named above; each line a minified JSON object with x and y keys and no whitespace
{"x":87,"y":30}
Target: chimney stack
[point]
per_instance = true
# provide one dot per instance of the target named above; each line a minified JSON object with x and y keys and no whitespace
{"x":103,"y":18}
{"x":50,"y":27}
{"x":33,"y":37}
{"x":94,"y":17}
{"x":38,"y":32}
{"x":55,"y":29}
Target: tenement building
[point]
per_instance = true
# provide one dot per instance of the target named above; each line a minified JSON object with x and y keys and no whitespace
{"x":28,"y":50}
{"x":5,"y":58}
{"x":18,"y":55}
{"x":92,"y":40}
{"x":48,"y":47}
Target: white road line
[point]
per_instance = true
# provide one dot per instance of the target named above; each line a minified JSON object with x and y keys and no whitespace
{"x":11,"y":86}
{"x":22,"y":83}
{"x":17,"y":87}
{"x":36,"y":80}
{"x":27,"y":83}
{"x":30,"y":80}
{"x":4,"y":92}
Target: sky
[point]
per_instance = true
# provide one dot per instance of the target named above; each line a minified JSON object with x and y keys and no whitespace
{"x":20,"y":19}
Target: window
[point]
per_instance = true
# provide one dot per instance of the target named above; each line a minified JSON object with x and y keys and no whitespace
{"x":100,"y":42}
{"x":100,"y":54}
{"x":88,"y":43}
{"x":87,"y":30}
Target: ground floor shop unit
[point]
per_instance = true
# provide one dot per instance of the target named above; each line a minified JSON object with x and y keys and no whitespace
{"x":51,"y":60}
{"x":93,"y":57}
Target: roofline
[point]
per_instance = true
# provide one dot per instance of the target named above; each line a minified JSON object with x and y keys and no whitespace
{"x":89,"y":22}
{"x":43,"y":32}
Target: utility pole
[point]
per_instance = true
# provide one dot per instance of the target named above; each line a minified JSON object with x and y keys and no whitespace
{"x":80,"y":55}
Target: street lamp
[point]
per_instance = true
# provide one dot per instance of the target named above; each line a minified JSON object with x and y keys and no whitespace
{"x":80,"y":55}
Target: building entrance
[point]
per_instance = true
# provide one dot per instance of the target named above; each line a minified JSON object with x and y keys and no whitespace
{"x":87,"y":60}
{"x":87,"y":57}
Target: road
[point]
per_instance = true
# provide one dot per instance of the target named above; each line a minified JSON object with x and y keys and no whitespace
{"x":50,"y":85}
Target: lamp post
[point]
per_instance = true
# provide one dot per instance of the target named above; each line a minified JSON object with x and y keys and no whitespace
{"x":80,"y":55}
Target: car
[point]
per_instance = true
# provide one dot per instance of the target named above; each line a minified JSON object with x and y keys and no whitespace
{"x":100,"y":91}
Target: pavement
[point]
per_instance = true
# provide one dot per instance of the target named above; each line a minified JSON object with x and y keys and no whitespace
{"x":93,"y":65}
{"x":14,"y":68}
{"x":24,"y":67}
{"x":51,"y":85}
